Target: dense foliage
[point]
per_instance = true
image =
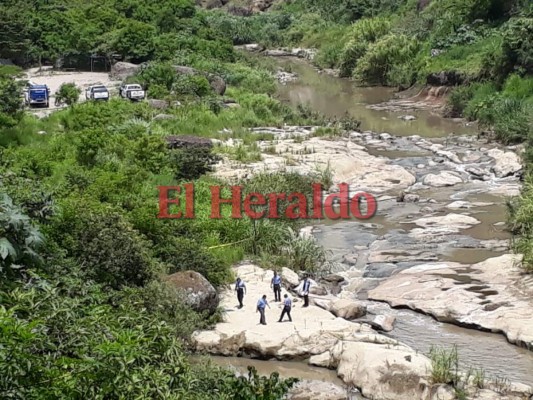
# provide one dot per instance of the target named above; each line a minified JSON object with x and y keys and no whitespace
{"x":84,"y":312}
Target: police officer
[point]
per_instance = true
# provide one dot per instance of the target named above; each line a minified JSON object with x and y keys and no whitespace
{"x":240,"y":288}
{"x":305,"y":291}
{"x":287,"y":305}
{"x":261,"y":304}
{"x":276,"y":284}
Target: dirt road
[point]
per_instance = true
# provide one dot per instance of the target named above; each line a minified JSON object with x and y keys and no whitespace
{"x":54,"y":79}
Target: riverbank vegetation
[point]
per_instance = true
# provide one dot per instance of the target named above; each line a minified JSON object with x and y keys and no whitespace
{"x":84,"y":310}
{"x":482,"y":48}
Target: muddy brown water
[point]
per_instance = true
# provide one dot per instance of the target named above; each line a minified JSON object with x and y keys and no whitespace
{"x":333,"y":96}
{"x":285,"y":369}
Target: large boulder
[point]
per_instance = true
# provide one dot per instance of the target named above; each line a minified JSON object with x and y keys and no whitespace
{"x":188,"y":141}
{"x":122,"y":70}
{"x":217,"y":83}
{"x":199,"y":293}
{"x":347,"y":309}
{"x":507,"y":162}
{"x":442,"y":179}
{"x":290,"y":278}
{"x":392,"y":373}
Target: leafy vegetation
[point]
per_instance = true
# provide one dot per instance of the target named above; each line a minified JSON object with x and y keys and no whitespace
{"x":84,"y":312}
{"x":68,"y":93}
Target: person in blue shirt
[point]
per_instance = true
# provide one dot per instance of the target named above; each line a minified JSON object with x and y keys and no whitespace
{"x":240,"y":288}
{"x":305,"y":291}
{"x":287,"y":305}
{"x":261,"y":304}
{"x":276,"y":284}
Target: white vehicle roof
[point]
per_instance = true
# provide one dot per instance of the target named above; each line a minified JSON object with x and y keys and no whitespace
{"x":134,"y":86}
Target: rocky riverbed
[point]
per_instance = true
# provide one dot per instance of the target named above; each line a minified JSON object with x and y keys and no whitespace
{"x":438,"y":199}
{"x":366,"y":361}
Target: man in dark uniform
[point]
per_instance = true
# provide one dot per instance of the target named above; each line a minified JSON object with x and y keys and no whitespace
{"x":305,"y":291}
{"x":240,"y":288}
{"x":287,"y":305}
{"x":276,"y":284}
{"x":261,"y":304}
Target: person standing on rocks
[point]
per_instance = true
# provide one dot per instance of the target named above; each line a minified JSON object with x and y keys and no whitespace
{"x":287,"y":305}
{"x":276,"y":284}
{"x":240,"y":288}
{"x":305,"y":290}
{"x":261,"y":304}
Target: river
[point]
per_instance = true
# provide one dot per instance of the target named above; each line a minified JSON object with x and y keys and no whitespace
{"x":334,"y":97}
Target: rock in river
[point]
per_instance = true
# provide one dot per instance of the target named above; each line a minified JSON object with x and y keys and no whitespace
{"x":491,"y":295}
{"x":507,"y":162}
{"x":347,"y":309}
{"x":442,"y":179}
{"x":199,"y":293}
{"x":379,"y":366}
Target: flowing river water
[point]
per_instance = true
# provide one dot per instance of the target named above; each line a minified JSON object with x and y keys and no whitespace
{"x":334,"y":97}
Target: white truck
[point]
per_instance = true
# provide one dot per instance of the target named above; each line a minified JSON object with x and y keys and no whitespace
{"x":132,"y":91}
{"x":97,"y":92}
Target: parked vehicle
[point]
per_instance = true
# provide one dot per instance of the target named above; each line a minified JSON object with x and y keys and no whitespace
{"x":37,"y":95}
{"x":133,"y":92}
{"x":97,"y":92}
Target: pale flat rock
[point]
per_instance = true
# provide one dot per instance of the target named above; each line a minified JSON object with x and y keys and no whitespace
{"x":317,"y":390}
{"x":451,"y":222}
{"x":500,"y":300}
{"x":347,"y":309}
{"x":380,"y":366}
{"x":442,"y":179}
{"x":507,"y":162}
{"x":321,"y":360}
{"x":467,"y":205}
{"x":290,"y":277}
{"x":392,"y":373}
{"x":348,"y":162}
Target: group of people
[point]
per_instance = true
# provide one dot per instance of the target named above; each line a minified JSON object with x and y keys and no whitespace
{"x":262,"y":303}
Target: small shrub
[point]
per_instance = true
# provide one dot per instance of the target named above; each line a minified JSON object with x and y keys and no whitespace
{"x":192,"y":163}
{"x":68,"y":93}
{"x":444,"y":365}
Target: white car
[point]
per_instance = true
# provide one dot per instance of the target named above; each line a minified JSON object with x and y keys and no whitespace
{"x":132,"y":91}
{"x":97,"y":92}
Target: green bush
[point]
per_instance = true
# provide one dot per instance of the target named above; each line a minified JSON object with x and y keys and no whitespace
{"x":361,"y":35}
{"x":375,"y":66}
{"x":184,"y":254}
{"x":19,"y":240}
{"x":68,"y":93}
{"x":109,"y":250}
{"x":518,"y":43}
{"x":192,"y":163}
{"x":10,"y":101}
{"x":195,"y":85}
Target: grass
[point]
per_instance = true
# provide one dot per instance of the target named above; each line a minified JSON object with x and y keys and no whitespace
{"x":444,"y":365}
